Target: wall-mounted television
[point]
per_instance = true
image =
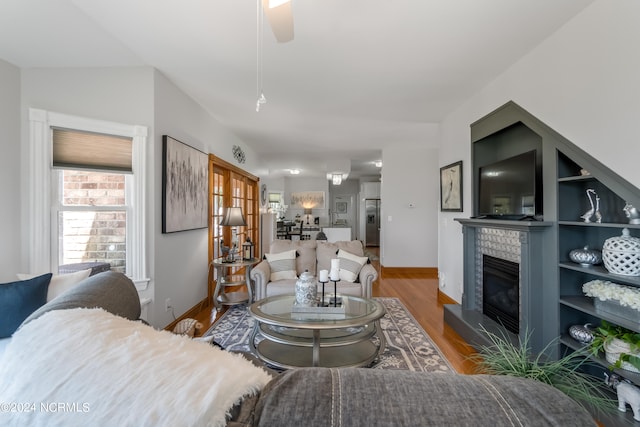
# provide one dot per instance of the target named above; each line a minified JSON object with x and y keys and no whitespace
{"x":511,"y":188}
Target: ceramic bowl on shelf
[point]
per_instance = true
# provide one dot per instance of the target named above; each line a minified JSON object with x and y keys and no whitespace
{"x":581,"y":333}
{"x":586,"y":256}
{"x":621,"y":254}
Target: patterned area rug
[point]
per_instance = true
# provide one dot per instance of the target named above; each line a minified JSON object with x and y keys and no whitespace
{"x":408,"y":345}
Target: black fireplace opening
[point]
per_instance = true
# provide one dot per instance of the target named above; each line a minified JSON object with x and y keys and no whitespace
{"x":501,"y":292}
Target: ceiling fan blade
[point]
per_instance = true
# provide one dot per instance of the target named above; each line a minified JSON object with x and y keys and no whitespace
{"x":280,"y":19}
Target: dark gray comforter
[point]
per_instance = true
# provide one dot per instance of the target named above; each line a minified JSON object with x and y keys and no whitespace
{"x":364,"y":397}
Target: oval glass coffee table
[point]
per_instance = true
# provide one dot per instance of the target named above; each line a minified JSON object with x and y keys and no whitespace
{"x":301,"y":339}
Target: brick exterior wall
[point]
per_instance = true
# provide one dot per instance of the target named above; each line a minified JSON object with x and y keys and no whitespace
{"x":94,"y":235}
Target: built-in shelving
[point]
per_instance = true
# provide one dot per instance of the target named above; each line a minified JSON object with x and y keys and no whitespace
{"x":600,"y":225}
{"x":573,"y":232}
{"x":585,"y":305}
{"x":602,"y":273}
{"x":578,"y":346}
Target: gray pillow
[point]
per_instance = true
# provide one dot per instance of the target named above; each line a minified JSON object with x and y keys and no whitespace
{"x":111,"y":291}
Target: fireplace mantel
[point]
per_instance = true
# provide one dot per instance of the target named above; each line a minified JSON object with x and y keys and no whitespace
{"x":505,"y":224}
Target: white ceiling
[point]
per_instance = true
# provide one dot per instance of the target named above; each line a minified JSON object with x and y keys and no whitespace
{"x":359,"y":76}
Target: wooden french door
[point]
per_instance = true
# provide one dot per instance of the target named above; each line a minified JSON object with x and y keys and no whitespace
{"x":230,"y":186}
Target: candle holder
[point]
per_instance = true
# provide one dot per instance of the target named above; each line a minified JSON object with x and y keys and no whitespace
{"x":335,"y":294}
{"x":322,"y":303}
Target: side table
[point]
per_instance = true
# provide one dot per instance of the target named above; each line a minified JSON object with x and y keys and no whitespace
{"x":223,"y":280}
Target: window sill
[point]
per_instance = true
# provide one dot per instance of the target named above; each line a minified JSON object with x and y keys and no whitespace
{"x":141,"y":284}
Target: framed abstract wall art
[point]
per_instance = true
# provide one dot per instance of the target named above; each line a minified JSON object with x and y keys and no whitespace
{"x":185,"y":184}
{"x":307,"y":199}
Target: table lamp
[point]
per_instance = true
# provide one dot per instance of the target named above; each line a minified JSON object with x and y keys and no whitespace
{"x":233,"y":218}
{"x":308,"y":216}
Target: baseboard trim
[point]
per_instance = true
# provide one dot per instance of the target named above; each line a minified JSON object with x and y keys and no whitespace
{"x":419,"y":272}
{"x":445,"y":299}
{"x":191,"y":313}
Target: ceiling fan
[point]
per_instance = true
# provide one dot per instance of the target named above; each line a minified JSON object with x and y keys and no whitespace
{"x":280,"y":17}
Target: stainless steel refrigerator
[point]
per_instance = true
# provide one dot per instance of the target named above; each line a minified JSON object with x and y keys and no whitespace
{"x":372,"y":222}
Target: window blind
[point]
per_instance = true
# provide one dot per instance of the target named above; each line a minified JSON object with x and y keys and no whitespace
{"x":74,"y":149}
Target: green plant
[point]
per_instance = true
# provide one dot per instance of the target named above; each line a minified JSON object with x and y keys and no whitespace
{"x":606,"y":333}
{"x":502,"y":357}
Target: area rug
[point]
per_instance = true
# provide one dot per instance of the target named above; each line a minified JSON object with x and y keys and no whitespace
{"x":408,"y":345}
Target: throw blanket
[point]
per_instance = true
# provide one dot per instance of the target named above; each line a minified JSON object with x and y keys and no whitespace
{"x":351,"y":397}
{"x":89,"y":367}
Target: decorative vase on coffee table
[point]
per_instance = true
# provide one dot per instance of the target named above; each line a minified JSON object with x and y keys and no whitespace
{"x":306,"y":290}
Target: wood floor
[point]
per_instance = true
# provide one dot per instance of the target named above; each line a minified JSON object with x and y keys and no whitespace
{"x":419,"y":294}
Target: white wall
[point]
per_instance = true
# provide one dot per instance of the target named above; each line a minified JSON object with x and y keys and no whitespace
{"x":409,"y":234}
{"x":177,"y":262}
{"x":582,"y":82}
{"x":123,"y":95}
{"x":180,"y":269}
{"x":10,"y":214}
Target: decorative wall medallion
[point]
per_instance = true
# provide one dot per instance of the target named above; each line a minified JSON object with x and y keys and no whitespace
{"x":263,"y":194}
{"x":238,"y":154}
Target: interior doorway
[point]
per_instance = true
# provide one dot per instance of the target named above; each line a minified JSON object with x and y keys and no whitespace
{"x":343,"y":213}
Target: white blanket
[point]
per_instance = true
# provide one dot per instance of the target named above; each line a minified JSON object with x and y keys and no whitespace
{"x":89,"y":367}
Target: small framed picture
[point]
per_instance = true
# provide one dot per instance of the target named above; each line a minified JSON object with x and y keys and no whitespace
{"x":451,"y":187}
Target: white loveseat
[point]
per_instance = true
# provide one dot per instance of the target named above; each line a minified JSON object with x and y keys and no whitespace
{"x":313,"y":256}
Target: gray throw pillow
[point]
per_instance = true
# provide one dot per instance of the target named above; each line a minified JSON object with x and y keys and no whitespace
{"x":111,"y":291}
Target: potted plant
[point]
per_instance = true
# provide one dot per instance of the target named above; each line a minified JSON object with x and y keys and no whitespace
{"x":620,"y":345}
{"x":502,"y":357}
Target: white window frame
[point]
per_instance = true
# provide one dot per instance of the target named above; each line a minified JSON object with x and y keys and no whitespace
{"x":41,"y":180}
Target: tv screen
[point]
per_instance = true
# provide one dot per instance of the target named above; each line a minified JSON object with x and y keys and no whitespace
{"x":509,"y":188}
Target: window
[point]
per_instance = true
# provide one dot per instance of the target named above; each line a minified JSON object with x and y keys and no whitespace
{"x":82,"y":210}
{"x":91,"y":211}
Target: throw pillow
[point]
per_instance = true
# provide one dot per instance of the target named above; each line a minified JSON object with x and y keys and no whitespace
{"x":283,"y":265}
{"x":60,"y":282}
{"x":110,"y":290}
{"x":19,"y":299}
{"x":350,"y":265}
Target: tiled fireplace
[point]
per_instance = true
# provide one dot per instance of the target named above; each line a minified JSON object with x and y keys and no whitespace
{"x":500,"y":247}
{"x":515,"y":250}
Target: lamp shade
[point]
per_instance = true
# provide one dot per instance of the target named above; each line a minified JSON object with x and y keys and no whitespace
{"x":307,"y":211}
{"x":233,"y":217}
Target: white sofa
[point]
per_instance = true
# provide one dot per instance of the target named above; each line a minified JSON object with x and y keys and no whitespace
{"x":313,"y":255}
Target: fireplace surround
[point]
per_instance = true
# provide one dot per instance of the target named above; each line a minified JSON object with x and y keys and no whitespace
{"x":516,"y":242}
